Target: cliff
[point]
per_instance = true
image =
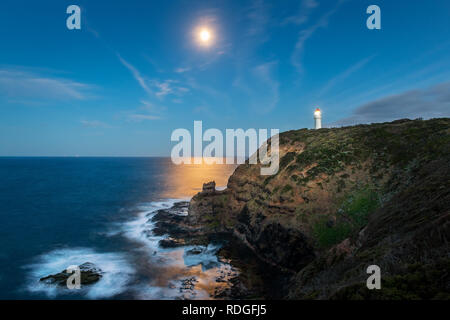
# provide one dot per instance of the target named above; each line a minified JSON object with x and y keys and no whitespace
{"x":343,"y":199}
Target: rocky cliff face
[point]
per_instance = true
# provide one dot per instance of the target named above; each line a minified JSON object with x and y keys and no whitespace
{"x":343,"y":199}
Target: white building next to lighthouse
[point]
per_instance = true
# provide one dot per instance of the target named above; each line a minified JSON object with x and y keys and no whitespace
{"x":317,"y":119}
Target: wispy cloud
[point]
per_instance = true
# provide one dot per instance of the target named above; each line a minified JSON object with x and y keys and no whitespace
{"x":201,"y":109}
{"x":391,"y":82}
{"x":258,"y":17}
{"x":139,"y":117}
{"x":136,"y":74}
{"x":152,"y":62}
{"x":425,"y":103}
{"x":264,"y":89}
{"x":164,"y":88}
{"x":168,"y":87}
{"x":23,"y":84}
{"x":265,"y":73}
{"x":147,"y":111}
{"x":151,"y":107}
{"x":305,"y":9}
{"x":155,"y":87}
{"x":306,"y":34}
{"x":182,"y":70}
{"x":341,"y":77}
{"x":94,"y":124}
{"x":210,"y":91}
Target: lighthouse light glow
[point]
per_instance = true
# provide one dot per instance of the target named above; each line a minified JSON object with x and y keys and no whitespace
{"x":317,"y":119}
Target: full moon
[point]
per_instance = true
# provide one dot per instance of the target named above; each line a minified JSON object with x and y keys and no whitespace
{"x":205,"y":35}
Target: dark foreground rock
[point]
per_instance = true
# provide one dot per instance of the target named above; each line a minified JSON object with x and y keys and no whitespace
{"x":174,"y":223}
{"x":89,"y":273}
{"x":247,"y":276}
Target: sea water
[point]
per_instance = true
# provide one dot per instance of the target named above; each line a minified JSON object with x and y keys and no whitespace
{"x":56,"y":212}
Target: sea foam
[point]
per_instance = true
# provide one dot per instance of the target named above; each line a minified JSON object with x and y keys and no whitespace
{"x":117,"y":272}
{"x":204,"y":266}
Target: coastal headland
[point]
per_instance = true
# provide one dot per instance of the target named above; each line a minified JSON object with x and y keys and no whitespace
{"x":343,"y":199}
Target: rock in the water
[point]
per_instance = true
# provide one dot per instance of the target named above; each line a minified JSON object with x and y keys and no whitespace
{"x":194,"y":251}
{"x":89,"y":273}
{"x":188,"y":284}
{"x":171,"y":243}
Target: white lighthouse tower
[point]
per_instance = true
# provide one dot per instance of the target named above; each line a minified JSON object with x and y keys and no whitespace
{"x":317,"y":119}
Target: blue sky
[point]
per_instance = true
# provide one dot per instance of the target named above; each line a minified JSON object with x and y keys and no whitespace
{"x":135,"y":72}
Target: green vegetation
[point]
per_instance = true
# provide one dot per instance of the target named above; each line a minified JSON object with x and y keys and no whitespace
{"x":329,"y":151}
{"x":353,"y":215}
{"x":288,"y":157}
{"x":359,"y":205}
{"x":221,"y":201}
{"x":286,"y":188}
{"x":327,"y":234}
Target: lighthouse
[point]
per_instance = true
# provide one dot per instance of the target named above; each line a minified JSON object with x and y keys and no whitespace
{"x":317,"y":119}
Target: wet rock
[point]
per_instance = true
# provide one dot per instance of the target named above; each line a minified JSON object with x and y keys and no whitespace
{"x":188,"y":284}
{"x":171,"y":243}
{"x":194,"y":251}
{"x":234,"y":290}
{"x":89,"y":274}
{"x":220,"y":279}
{"x":170,"y":221}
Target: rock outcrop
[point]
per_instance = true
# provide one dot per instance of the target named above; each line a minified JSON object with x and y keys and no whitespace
{"x":345,"y":198}
{"x":209,"y":187}
{"x":89,"y":274}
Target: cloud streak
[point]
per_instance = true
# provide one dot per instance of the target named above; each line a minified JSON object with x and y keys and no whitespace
{"x":344,"y":75}
{"x":168,"y":87}
{"x":306,"y":34}
{"x":147,"y":111}
{"x":19,"y":84}
{"x":182,"y":70}
{"x":258,"y":17}
{"x":432,"y":102}
{"x":136,"y":74}
{"x":94,"y":124}
{"x":139,"y":117}
{"x":154,"y":87}
{"x":264,"y":90}
{"x":304,"y":12}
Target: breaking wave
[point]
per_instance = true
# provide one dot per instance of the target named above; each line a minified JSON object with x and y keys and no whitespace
{"x":117,"y":272}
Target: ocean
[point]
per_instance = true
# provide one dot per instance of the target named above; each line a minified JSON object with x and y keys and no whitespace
{"x":56,"y":212}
